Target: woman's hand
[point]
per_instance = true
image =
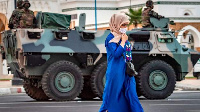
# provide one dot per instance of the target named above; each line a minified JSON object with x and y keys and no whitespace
{"x":124,"y":39}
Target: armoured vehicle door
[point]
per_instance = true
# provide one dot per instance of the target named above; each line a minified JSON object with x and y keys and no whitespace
{"x":165,"y":42}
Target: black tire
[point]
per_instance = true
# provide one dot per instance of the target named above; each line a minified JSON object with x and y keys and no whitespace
{"x":35,"y":93}
{"x":97,"y":79}
{"x":50,"y":85}
{"x":151,"y":70}
{"x":137,"y":86}
{"x":87,"y":93}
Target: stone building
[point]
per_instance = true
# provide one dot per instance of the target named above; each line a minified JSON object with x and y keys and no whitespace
{"x":185,"y":13}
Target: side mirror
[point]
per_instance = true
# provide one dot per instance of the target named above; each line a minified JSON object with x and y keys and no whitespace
{"x":82,"y":19}
{"x":38,"y":19}
{"x":172,"y":23}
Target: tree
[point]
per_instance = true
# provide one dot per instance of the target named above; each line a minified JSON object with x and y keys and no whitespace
{"x":135,"y":16}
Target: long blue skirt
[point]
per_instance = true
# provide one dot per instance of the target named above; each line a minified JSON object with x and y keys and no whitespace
{"x":120,"y":92}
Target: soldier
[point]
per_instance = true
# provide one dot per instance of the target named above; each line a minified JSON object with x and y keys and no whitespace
{"x":147,"y":13}
{"x":27,"y":18}
{"x":14,"y":19}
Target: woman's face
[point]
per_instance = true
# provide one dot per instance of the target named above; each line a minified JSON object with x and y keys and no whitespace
{"x":125,"y":25}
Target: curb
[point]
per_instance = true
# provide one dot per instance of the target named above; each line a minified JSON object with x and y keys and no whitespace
{"x":4,"y":91}
{"x":187,"y":87}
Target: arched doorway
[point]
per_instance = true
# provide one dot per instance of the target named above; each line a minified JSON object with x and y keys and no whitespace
{"x":187,"y":40}
{"x":190,"y":37}
{"x":193,"y":33}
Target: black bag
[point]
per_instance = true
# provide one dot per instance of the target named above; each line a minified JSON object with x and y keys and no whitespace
{"x":130,"y":69}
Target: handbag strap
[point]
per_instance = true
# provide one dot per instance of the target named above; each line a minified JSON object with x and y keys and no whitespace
{"x":122,"y":54}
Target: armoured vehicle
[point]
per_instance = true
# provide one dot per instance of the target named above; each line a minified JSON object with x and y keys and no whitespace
{"x":59,"y":63}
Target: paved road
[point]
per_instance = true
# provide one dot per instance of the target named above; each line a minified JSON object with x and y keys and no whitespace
{"x":179,"y":101}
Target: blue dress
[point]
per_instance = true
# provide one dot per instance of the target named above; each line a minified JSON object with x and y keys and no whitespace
{"x":120,"y":89}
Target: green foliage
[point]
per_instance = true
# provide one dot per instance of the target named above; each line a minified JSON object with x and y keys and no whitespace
{"x":135,"y":16}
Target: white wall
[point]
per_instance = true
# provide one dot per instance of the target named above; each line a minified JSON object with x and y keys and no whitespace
{"x":45,"y":5}
{"x":103,"y":16}
{"x":173,"y":11}
{"x":178,"y":11}
{"x":6,"y":7}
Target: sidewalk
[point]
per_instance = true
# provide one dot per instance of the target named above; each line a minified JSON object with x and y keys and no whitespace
{"x":6,"y":85}
{"x":189,"y":84}
{"x":7,"y":88}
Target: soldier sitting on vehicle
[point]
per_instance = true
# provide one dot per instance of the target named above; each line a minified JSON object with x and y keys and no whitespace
{"x":147,"y":13}
{"x":27,"y":18}
{"x":14,"y":19}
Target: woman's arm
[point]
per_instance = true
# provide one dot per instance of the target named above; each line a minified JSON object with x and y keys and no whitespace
{"x":116,"y":50}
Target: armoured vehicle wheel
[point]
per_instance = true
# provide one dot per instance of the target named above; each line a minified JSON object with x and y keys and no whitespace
{"x":35,"y":93}
{"x":98,"y":79}
{"x":62,"y":81}
{"x":157,"y":80}
{"x":87,"y":93}
{"x":137,"y":87}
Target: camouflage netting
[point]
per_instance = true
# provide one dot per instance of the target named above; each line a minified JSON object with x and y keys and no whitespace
{"x":52,"y":20}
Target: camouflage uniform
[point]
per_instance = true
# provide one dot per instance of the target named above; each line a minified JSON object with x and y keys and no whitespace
{"x":147,"y":13}
{"x":27,"y":18}
{"x":14,"y":19}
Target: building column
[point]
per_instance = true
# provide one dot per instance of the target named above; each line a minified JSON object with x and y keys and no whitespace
{"x":59,"y":6}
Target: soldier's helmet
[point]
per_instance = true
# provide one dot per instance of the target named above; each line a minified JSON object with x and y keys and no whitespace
{"x":149,"y":3}
{"x":26,"y":2}
{"x":20,"y":4}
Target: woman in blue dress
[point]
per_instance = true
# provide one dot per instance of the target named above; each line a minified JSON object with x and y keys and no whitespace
{"x":120,"y":89}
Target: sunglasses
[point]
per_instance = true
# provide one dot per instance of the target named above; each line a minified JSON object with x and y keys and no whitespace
{"x":124,"y":25}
